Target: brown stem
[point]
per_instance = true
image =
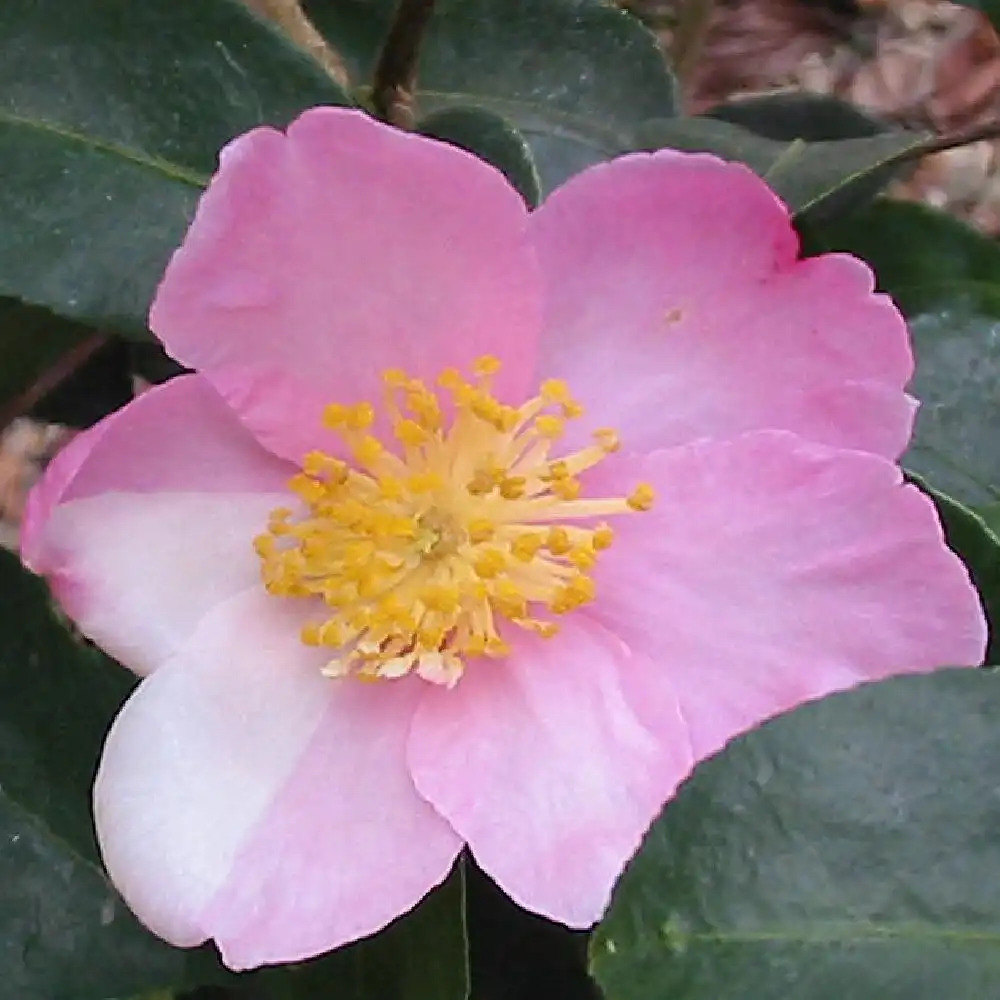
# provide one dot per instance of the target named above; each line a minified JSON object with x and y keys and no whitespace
{"x":52,"y":377}
{"x":952,"y":140}
{"x":396,"y":71}
{"x":290,"y":17}
{"x":689,"y":36}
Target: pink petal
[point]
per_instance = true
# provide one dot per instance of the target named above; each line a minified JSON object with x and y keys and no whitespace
{"x":179,"y":436}
{"x":146,"y":521}
{"x":772,"y":570}
{"x":549,"y":767}
{"x":244,"y":797}
{"x":321,"y":258}
{"x":137,"y":571}
{"x":678,"y":275}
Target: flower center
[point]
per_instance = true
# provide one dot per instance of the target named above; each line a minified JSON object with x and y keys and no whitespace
{"x":425,"y":550}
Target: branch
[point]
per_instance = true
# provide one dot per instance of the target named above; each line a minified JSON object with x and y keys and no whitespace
{"x":289,"y":16}
{"x":952,"y":140}
{"x":689,"y":38}
{"x":396,"y":71}
{"x":52,"y":377}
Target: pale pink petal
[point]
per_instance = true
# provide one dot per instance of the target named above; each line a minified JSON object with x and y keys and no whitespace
{"x":552,"y":764}
{"x":772,"y":570}
{"x":179,"y":437}
{"x":318,"y":259}
{"x":244,"y":797}
{"x":147,"y":520}
{"x":137,"y":571}
{"x":677,"y":310}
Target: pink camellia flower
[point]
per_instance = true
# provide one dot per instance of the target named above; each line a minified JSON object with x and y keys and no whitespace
{"x":476,"y":527}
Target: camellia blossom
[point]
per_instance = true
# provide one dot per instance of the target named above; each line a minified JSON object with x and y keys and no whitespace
{"x":476,"y":527}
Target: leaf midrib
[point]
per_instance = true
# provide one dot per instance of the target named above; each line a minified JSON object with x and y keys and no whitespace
{"x":167,"y":169}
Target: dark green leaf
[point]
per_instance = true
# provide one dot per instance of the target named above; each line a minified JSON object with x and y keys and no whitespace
{"x":815,"y":179}
{"x":991,"y":515}
{"x":492,"y":139}
{"x":31,"y":341}
{"x":784,"y":116}
{"x":946,"y":279}
{"x":575,"y":76}
{"x":64,"y":933}
{"x":422,"y":956}
{"x":847,"y":850}
{"x":971,"y":536}
{"x":111,"y":117}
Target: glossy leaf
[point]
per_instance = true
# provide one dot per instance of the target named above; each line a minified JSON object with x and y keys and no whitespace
{"x":492,"y":139}
{"x":788,"y":115}
{"x":111,"y":119}
{"x":64,"y":933}
{"x":946,"y":279}
{"x":848,"y":849}
{"x":974,"y":538}
{"x":574,"y":76}
{"x":31,"y":341}
{"x":818,"y":179}
{"x":422,"y":956}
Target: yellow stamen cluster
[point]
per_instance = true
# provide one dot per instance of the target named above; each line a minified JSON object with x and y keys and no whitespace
{"x":418,"y":550}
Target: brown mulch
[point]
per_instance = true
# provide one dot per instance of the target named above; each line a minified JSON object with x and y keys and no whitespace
{"x":917,"y":63}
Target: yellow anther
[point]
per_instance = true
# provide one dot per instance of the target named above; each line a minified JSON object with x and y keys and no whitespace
{"x":602,"y":537}
{"x":331,"y":634}
{"x":451,"y":379}
{"x":525,"y":547}
{"x":430,"y":638}
{"x":545,"y":629}
{"x":265,"y":546}
{"x":391,"y":488}
{"x":315,"y":462}
{"x":607,"y":439}
{"x":441,"y":598}
{"x":486,"y":365}
{"x":496,"y":647}
{"x":508,"y":419}
{"x":642,"y":497}
{"x":395,"y":378}
{"x":360,"y":417}
{"x":368,"y":450}
{"x":311,"y":635}
{"x":480,"y":484}
{"x":490,"y":563}
{"x":424,"y":482}
{"x":555,"y":390}
{"x":513,"y":487}
{"x":335,"y":416}
{"x":481,"y":529}
{"x":582,"y":557}
{"x":579,"y":591}
{"x":410,"y":433}
{"x":557,"y":541}
{"x":509,"y":599}
{"x":550,"y":426}
{"x":567,"y":489}
{"x":306,"y":487}
{"x":425,"y":407}
{"x":475,"y":645}
{"x":432,"y":544}
{"x":555,"y":471}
